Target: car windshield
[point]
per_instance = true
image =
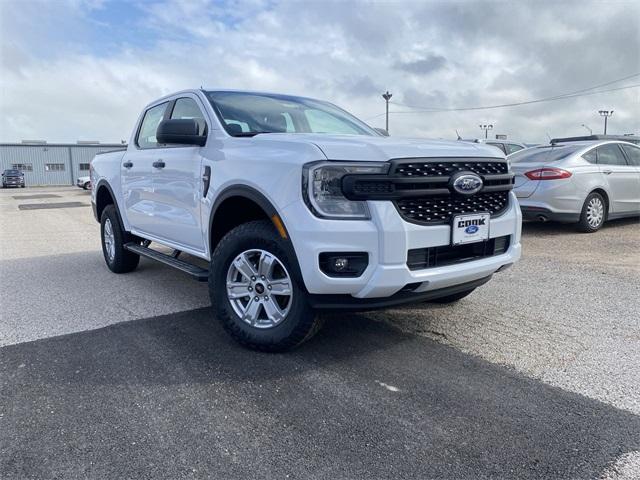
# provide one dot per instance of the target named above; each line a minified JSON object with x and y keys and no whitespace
{"x":245,"y":114}
{"x":546,"y":153}
{"x":12,"y":172}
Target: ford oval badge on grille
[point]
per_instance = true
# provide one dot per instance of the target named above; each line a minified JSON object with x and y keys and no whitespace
{"x":467,"y":184}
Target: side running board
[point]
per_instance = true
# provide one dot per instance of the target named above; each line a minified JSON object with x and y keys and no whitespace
{"x":199,"y":273}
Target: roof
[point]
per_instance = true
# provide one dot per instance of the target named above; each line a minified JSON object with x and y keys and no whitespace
{"x":624,"y":138}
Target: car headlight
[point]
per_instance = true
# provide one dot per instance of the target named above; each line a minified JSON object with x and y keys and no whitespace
{"x":322,"y":189}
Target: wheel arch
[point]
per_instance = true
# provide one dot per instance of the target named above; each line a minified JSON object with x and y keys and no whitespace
{"x":605,"y":196}
{"x":104,"y":197}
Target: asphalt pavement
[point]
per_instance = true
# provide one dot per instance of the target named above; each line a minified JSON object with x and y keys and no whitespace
{"x":129,"y":376}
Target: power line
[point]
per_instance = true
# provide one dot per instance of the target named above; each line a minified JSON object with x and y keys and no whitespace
{"x":547,"y":99}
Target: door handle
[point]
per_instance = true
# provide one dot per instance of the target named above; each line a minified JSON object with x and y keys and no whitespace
{"x":127,"y":164}
{"x":206,"y":180}
{"x":607,"y":172}
{"x":159,"y":164}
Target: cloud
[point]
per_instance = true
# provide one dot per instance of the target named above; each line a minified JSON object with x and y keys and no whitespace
{"x":424,"y":66}
{"x":76,"y":70}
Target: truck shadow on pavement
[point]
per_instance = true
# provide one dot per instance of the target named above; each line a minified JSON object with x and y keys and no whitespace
{"x":174,"y":397}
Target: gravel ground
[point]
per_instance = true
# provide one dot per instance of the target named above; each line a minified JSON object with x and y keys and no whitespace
{"x":568,"y":314}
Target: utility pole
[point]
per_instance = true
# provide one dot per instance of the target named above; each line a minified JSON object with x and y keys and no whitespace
{"x":486,"y":128}
{"x":387,"y":96}
{"x":606,"y":114}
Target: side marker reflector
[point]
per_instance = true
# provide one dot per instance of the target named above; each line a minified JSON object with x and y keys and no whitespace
{"x":279,"y":226}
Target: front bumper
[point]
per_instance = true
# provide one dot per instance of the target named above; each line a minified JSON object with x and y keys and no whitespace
{"x":387,"y":238}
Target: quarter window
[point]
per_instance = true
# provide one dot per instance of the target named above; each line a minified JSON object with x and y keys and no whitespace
{"x":23,"y":167}
{"x":187,"y":108}
{"x":610,"y":154}
{"x":150,"y":122}
{"x":633,"y":153}
{"x":591,"y":156}
{"x":54,"y":167}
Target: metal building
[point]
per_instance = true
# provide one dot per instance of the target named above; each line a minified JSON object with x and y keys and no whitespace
{"x":51,"y":163}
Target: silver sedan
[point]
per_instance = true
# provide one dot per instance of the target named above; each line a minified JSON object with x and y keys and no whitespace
{"x":586,"y":183}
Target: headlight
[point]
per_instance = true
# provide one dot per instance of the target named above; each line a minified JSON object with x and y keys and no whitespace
{"x":322,"y":189}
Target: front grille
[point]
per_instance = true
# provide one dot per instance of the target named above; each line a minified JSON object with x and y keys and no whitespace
{"x":421,"y":258}
{"x":441,"y":208}
{"x":446,"y":169}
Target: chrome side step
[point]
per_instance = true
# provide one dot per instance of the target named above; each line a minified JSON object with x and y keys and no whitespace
{"x":199,"y":273}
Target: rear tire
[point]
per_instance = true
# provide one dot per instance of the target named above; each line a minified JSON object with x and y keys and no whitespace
{"x":594,"y":213}
{"x":452,"y":298}
{"x":118,"y":259}
{"x":249,"y":264}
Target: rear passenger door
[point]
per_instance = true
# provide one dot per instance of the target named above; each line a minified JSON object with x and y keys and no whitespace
{"x":633,"y":157}
{"x":622,"y":178}
{"x":136,"y":171}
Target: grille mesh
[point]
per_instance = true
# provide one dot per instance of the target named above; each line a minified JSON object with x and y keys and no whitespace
{"x":440,"y":209}
{"x":440,"y":169}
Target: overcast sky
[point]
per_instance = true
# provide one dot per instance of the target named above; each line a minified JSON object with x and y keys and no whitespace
{"x":83,"y":69}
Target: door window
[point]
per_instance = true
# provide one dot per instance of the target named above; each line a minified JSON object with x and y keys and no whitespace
{"x":187,"y":108}
{"x":610,"y":154}
{"x":152,"y":118}
{"x":633,"y":154}
{"x":512,"y":148}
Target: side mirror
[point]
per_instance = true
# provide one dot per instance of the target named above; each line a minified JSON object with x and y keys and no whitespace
{"x":382,"y":131}
{"x":180,"y":131}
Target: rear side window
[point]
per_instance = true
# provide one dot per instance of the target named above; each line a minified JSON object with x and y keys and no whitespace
{"x":512,"y":148}
{"x":591,"y":156}
{"x":633,"y":154}
{"x":152,"y":118}
{"x":610,"y":154}
{"x":187,"y":108}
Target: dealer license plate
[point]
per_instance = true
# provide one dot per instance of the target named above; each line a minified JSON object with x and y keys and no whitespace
{"x":470,"y":228}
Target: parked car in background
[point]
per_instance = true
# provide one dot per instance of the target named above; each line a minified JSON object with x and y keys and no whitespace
{"x":623,"y":138}
{"x":507,"y":147}
{"x":84,"y":183}
{"x":586,"y":183}
{"x":12,"y":178}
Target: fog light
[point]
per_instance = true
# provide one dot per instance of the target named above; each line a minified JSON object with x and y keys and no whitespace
{"x":343,"y":264}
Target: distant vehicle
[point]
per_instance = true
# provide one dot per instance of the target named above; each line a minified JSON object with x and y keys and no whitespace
{"x":623,"y":138}
{"x":506,"y":146}
{"x":586,"y":183}
{"x":12,"y":178}
{"x":84,"y":183}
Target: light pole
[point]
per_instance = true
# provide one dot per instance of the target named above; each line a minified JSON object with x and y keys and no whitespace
{"x":606,"y":114}
{"x":588,"y":128}
{"x":387,"y":96}
{"x":486,"y":128}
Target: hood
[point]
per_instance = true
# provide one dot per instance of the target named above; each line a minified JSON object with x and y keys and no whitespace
{"x":381,"y":149}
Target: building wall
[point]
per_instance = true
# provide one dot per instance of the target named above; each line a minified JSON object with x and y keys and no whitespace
{"x":51,"y":164}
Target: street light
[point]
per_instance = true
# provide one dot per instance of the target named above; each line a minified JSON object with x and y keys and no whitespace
{"x":387,"y":96}
{"x":588,"y":128}
{"x":606,"y":114}
{"x":486,"y":128}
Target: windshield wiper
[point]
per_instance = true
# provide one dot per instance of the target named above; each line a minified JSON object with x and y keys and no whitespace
{"x":248,"y":134}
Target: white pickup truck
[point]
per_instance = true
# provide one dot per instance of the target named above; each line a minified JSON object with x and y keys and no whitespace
{"x":299,"y":207}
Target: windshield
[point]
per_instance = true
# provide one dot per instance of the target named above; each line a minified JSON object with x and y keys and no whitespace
{"x":247,"y":114}
{"x":547,"y":153}
{"x":12,"y":172}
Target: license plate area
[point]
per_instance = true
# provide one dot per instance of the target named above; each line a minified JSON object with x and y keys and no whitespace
{"x":470,"y":228}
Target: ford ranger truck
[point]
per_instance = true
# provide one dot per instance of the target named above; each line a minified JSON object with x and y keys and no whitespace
{"x":297,"y":207}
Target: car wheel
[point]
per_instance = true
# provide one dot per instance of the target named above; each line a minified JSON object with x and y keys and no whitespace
{"x":85,"y":186}
{"x":452,"y":298}
{"x":118,"y":259}
{"x":256,"y":290}
{"x":594,"y":213}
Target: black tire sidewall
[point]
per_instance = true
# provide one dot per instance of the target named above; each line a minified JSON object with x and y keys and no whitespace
{"x":300,"y":320}
{"x":583,"y":223}
{"x":123,"y":260}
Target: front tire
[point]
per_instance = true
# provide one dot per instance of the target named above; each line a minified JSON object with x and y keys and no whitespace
{"x":594,"y":213}
{"x":85,"y":186}
{"x":256,"y":291}
{"x":118,"y":259}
